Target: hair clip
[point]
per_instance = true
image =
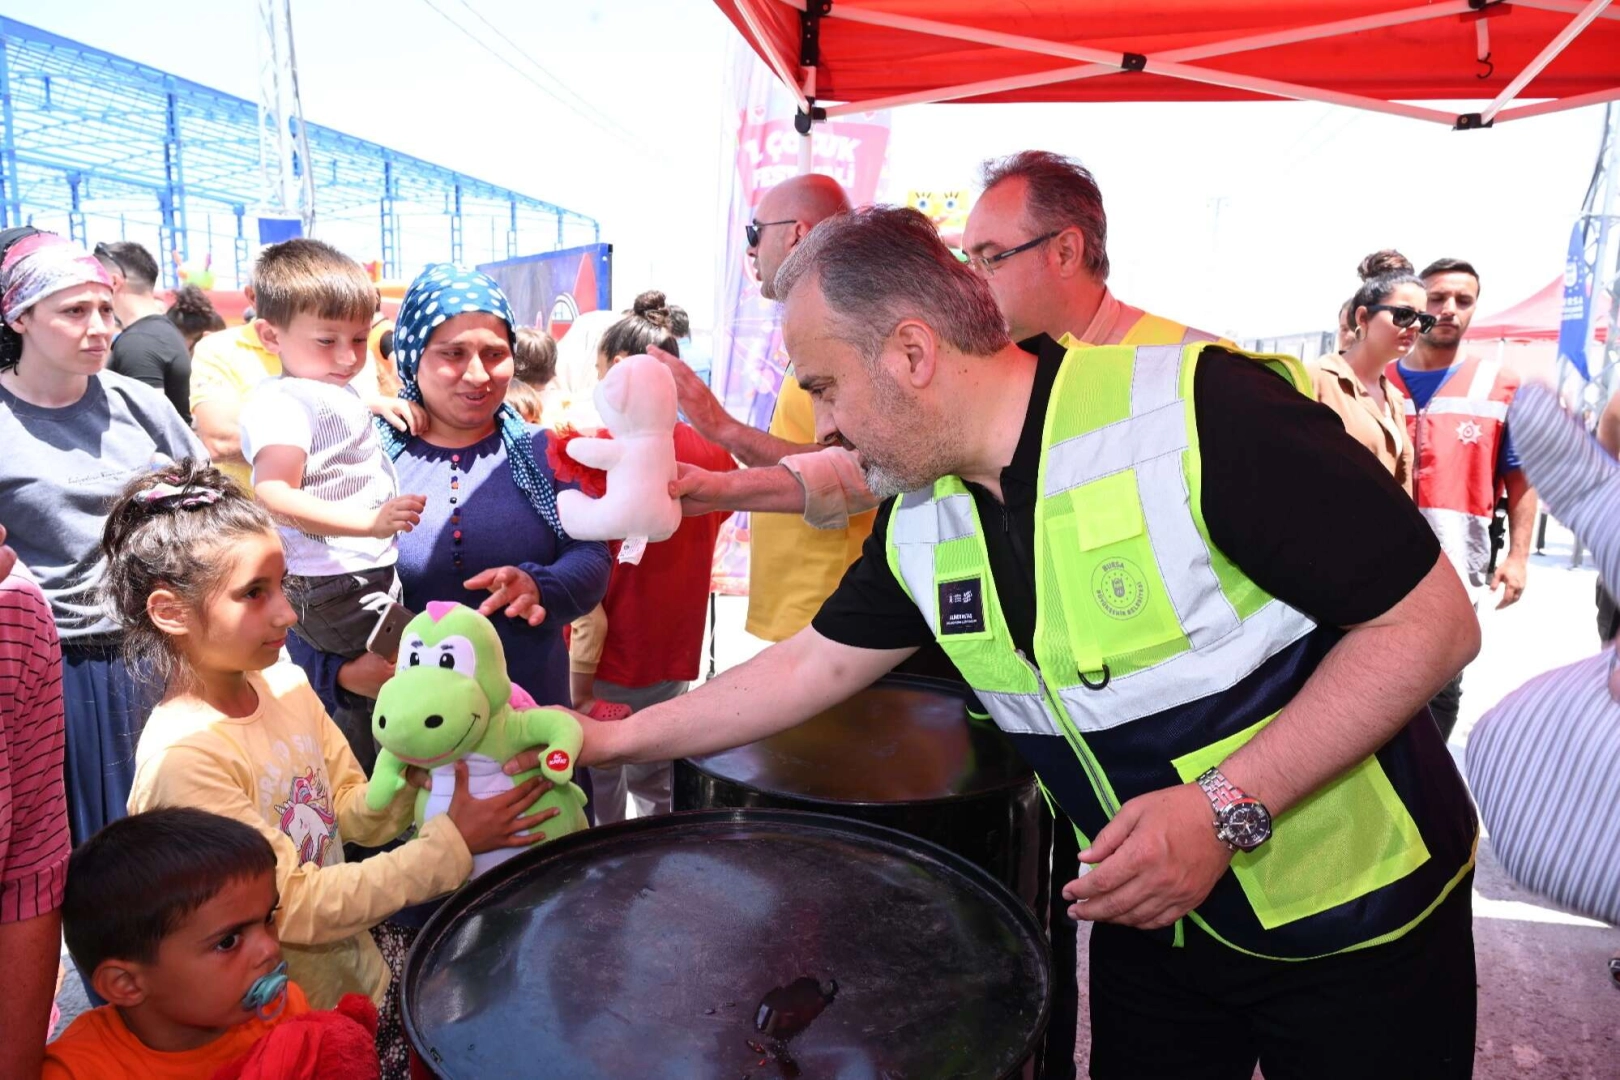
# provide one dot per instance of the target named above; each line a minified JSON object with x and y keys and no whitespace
{"x":189,"y":498}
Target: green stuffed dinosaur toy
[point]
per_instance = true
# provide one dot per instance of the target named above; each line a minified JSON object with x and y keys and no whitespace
{"x":450,"y":699}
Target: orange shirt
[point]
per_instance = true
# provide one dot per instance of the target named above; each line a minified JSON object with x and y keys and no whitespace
{"x":97,"y":1046}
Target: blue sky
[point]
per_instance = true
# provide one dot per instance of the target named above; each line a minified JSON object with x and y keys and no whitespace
{"x":1245,"y":218}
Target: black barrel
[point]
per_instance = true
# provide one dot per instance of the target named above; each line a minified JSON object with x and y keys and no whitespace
{"x":902,"y":753}
{"x":730,"y":944}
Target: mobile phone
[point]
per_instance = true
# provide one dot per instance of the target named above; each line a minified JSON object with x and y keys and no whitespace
{"x":384,"y":639}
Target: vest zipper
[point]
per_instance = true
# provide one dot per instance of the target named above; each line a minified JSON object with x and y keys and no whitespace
{"x":1092,"y":767}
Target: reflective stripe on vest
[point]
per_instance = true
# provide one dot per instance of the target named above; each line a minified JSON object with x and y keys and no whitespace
{"x":1457,"y":440}
{"x":1155,"y":657}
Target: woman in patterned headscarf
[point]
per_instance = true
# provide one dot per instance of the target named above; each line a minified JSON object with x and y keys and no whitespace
{"x":489,"y":537}
{"x":73,"y":435}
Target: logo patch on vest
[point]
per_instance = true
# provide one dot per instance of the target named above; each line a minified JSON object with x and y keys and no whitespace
{"x":961,"y":606}
{"x":1468,"y":431}
{"x":1120,"y":588}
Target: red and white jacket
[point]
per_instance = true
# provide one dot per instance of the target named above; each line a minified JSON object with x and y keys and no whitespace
{"x":1457,"y":443}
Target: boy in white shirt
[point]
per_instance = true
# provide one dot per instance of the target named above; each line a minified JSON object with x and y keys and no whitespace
{"x":308,"y":437}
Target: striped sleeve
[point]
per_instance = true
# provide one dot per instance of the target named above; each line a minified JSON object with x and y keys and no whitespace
{"x":34,"y":843}
{"x":1575,"y":478}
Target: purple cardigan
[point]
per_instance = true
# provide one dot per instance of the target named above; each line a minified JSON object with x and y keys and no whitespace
{"x":499,"y":527}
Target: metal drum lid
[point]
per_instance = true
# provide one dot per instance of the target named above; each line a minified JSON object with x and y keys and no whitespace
{"x":902,"y":739}
{"x":730,"y":944}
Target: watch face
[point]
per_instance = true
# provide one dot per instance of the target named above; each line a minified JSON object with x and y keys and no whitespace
{"x":1245,"y":824}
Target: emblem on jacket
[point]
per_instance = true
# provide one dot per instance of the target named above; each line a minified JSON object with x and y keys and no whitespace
{"x":1120,"y":588}
{"x":1468,"y":431}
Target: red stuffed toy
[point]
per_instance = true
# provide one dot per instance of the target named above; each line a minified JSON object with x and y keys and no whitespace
{"x":336,"y":1045}
{"x":592,"y":482}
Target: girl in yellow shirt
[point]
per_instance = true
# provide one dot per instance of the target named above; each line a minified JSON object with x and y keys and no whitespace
{"x":194,"y":570}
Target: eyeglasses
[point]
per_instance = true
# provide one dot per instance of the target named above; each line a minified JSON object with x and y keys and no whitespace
{"x":751,"y":230}
{"x":986,"y":264}
{"x":1403,"y":316}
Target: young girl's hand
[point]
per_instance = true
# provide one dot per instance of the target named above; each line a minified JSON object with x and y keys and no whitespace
{"x":498,"y":821}
{"x":397,"y":515}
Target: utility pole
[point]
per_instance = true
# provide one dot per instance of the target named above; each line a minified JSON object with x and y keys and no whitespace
{"x":1602,"y":211}
{"x":286,"y":181}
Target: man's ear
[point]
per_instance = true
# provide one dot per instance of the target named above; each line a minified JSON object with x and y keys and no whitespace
{"x":269,"y":336}
{"x":1070,"y":248}
{"x":120,"y":982}
{"x":168,"y":613}
{"x":920,"y":345}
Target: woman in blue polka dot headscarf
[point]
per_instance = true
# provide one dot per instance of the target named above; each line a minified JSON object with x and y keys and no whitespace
{"x":438,"y":294}
{"x":489,"y":535}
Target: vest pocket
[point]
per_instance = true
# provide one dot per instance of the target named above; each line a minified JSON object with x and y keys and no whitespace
{"x":1349,"y":838}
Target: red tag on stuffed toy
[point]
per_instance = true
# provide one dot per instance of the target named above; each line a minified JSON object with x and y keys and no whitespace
{"x":557,"y":760}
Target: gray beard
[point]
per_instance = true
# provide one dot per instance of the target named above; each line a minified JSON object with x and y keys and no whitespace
{"x":885,"y":484}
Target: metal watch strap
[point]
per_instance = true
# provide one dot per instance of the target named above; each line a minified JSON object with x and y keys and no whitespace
{"x":1220,"y":791}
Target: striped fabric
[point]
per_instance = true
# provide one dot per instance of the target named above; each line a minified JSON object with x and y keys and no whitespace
{"x":34,"y":844}
{"x":1545,"y":763}
{"x":1545,"y":768}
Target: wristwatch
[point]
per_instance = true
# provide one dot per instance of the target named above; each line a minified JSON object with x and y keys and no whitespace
{"x":1242,"y":821}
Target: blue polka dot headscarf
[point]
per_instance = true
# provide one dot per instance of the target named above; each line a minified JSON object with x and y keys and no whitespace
{"x":439,"y":293}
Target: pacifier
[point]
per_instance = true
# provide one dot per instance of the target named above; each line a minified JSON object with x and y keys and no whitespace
{"x":268,"y":994}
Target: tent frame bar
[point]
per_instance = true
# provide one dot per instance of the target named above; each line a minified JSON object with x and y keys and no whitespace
{"x":1173,"y":63}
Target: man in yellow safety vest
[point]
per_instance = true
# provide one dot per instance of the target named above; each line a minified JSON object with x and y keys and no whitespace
{"x":1165,"y":572}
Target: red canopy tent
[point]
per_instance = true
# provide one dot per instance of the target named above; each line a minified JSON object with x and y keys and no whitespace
{"x":1535,"y":318}
{"x":1372,"y":54}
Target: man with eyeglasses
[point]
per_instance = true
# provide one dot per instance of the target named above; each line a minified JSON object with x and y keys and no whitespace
{"x":1457,"y":407}
{"x":149,"y":347}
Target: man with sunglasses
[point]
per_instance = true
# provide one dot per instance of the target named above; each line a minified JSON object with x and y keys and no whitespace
{"x":1457,"y":416}
{"x":793,"y":566}
{"x":149,"y":347}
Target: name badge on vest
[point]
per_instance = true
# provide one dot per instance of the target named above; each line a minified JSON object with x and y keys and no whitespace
{"x":961,"y":606}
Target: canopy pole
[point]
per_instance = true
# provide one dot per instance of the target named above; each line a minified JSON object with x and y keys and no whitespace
{"x":1547,"y":55}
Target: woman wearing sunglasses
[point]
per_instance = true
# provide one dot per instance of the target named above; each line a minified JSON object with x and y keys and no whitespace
{"x":1385,"y":316}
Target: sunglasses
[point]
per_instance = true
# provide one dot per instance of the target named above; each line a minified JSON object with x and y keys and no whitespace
{"x":751,"y":230}
{"x":1403,"y":316}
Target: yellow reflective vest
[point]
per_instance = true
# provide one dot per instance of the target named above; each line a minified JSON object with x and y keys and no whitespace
{"x":1155,"y":657}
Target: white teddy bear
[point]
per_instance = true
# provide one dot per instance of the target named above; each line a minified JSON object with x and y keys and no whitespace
{"x":637,"y":405}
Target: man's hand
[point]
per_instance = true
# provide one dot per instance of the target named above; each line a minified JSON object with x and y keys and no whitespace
{"x":697,"y":401}
{"x":1154,"y":862}
{"x":700,"y":491}
{"x":400,"y":514}
{"x":365,"y":674}
{"x":1510,"y":575}
{"x":594,"y":751}
{"x":402,"y":415}
{"x":511,"y":587}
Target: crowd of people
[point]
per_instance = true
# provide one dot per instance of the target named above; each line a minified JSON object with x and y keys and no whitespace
{"x":1183,"y":563}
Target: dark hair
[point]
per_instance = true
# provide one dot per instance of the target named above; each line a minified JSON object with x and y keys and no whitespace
{"x":644,"y":325}
{"x":385,"y":344}
{"x":534,"y":357}
{"x":680,"y":323}
{"x":133,"y":883}
{"x":1377,"y":289}
{"x":1450,"y":266}
{"x":1061,"y":192}
{"x":881,"y":264}
{"x":307,"y":277}
{"x":1380,"y":263}
{"x":130,"y":259}
{"x":10,"y":341}
{"x":193,"y":314}
{"x":165,"y":543}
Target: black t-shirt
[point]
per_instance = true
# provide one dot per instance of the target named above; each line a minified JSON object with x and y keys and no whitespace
{"x":152,"y":350}
{"x":1301,"y":507}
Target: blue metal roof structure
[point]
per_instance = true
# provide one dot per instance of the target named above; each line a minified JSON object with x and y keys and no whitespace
{"x":90,"y":137}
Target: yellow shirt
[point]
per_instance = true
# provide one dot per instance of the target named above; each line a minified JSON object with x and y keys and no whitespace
{"x":225,"y":365}
{"x":100,"y":1046}
{"x":287,"y":771}
{"x":793,"y":567}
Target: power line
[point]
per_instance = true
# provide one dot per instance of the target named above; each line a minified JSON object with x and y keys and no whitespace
{"x":599,"y":119}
